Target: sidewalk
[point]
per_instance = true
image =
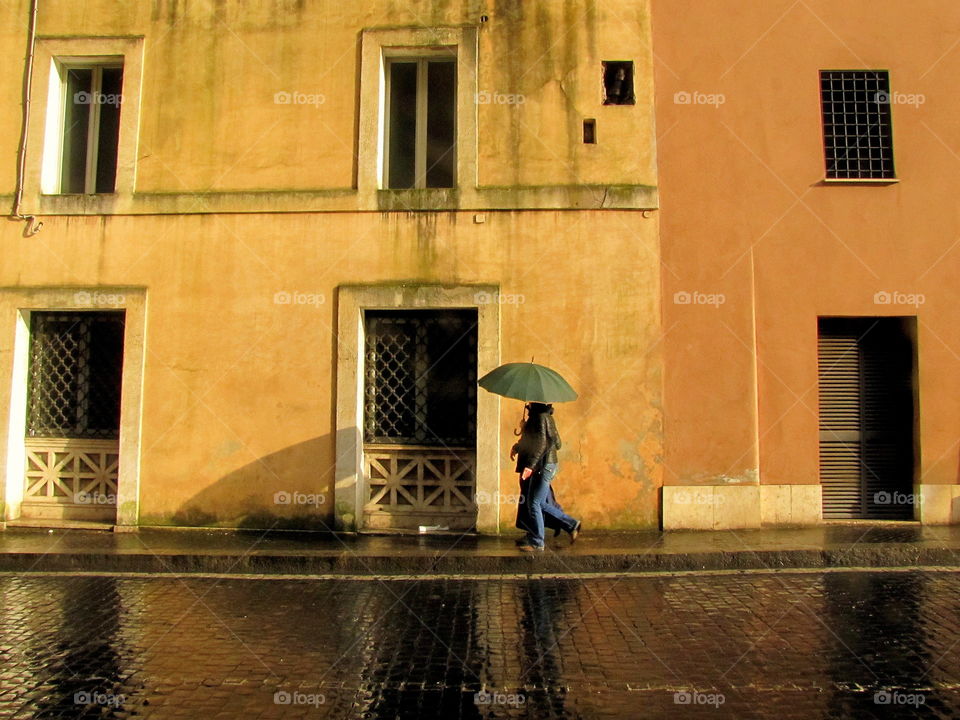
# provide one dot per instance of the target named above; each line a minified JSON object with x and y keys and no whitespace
{"x":220,"y":551}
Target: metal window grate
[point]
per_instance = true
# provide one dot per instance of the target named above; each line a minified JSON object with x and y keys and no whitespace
{"x":421,"y":377}
{"x":857,"y":127}
{"x":75,"y":371}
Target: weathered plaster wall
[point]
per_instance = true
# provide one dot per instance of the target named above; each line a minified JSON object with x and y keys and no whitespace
{"x":238,"y":387}
{"x":212,"y":69}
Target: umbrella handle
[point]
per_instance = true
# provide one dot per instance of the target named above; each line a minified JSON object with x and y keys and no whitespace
{"x":523,"y":422}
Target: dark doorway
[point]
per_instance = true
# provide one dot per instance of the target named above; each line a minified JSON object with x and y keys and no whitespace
{"x":867,"y":411}
{"x":72,"y":442}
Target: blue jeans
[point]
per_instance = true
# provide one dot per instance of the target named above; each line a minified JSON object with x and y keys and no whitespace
{"x":539,"y":488}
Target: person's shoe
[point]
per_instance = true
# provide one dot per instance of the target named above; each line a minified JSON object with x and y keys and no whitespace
{"x":521,"y":541}
{"x":575,"y":532}
{"x":528,"y":547}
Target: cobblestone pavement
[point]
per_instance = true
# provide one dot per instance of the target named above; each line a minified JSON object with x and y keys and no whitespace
{"x":786,"y":645}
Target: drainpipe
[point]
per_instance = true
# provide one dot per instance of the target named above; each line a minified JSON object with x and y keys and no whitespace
{"x":33,"y":226}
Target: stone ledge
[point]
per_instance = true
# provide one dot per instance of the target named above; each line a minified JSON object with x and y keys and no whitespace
{"x":729,"y":507}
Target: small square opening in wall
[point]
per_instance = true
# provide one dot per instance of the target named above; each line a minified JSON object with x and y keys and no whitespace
{"x":589,"y":132}
{"x":618,"y":82}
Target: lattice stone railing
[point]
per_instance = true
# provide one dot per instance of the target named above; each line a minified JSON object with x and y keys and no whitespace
{"x":74,"y":473}
{"x":410,"y":485}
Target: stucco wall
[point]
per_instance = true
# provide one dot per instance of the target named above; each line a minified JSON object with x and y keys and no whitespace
{"x":210,"y":122}
{"x":752,"y":220}
{"x":238,"y":384}
{"x":237,"y":198}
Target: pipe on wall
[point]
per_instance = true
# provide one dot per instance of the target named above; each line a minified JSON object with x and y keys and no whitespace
{"x":33,"y":225}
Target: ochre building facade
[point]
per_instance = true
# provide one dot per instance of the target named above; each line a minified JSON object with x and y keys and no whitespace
{"x":280,"y":242}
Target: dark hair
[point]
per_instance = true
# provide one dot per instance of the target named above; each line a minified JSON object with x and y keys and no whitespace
{"x":538,"y":407}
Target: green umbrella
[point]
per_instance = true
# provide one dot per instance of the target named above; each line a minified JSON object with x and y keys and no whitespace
{"x":529,"y":382}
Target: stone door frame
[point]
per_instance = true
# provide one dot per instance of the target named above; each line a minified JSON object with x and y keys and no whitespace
{"x":353,"y":301}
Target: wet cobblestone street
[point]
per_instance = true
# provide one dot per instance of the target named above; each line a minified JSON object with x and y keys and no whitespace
{"x":788,"y":645}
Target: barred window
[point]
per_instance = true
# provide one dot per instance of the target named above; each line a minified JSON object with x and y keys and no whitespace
{"x":76,"y":361}
{"x":857,"y":127}
{"x":421,"y":377}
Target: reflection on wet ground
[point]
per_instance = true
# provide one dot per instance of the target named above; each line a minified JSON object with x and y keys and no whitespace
{"x":818,"y":645}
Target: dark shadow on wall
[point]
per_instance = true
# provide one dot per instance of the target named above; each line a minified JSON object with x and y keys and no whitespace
{"x":292,"y":488}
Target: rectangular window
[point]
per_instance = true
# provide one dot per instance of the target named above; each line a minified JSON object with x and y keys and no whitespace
{"x":857,"y":124}
{"x":421,"y":123}
{"x":92,"y":95}
{"x":618,"y":83}
{"x":421,"y":377}
{"x":76,"y":362}
{"x":590,"y":132}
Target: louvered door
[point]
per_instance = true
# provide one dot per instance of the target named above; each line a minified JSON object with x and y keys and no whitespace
{"x":840,"y":455}
{"x":866,"y":418}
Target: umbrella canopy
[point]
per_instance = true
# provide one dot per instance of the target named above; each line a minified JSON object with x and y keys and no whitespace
{"x":528,"y":382}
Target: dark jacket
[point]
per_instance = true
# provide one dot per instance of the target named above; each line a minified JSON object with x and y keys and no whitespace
{"x":540,"y":440}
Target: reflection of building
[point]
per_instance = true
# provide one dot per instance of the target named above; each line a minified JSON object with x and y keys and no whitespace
{"x":318,"y":227}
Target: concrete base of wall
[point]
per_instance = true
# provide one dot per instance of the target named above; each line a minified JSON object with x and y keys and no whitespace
{"x":938,"y":504}
{"x":732,"y":507}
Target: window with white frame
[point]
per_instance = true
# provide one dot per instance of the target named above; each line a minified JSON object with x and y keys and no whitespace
{"x":421,"y":120}
{"x":91,"y":94}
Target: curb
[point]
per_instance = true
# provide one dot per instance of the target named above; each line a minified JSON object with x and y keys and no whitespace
{"x":440,"y":563}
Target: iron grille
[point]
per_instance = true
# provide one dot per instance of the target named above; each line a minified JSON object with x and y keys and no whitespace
{"x":857,"y":125}
{"x":76,"y":362}
{"x":421,"y":377}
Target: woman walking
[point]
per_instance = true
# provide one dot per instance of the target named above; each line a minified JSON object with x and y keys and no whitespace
{"x":537,"y":464}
